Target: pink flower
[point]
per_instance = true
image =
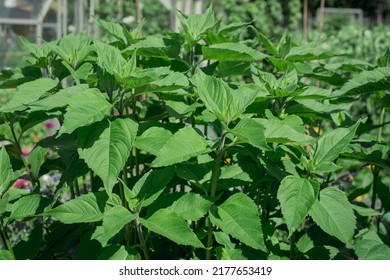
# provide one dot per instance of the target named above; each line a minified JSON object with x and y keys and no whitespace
{"x":25,"y":153}
{"x":20,"y":183}
{"x":49,"y":124}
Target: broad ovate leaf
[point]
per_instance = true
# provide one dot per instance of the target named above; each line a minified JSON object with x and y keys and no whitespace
{"x":239,"y":217}
{"x":215,"y":94}
{"x":28,"y":206}
{"x":183,"y":145}
{"x":297,"y":196}
{"x":84,"y":109}
{"x":27,"y":93}
{"x":153,"y":139}
{"x":333,"y":213}
{"x":106,"y":146}
{"x":83,"y":209}
{"x":252,"y":132}
{"x":172,"y":226}
{"x":331,"y":144}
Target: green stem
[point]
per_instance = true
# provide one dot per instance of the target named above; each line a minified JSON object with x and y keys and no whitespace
{"x":77,"y":187}
{"x":72,"y":193}
{"x":375,"y":173}
{"x":213,"y":190}
{"x":142,"y":240}
{"x":381,"y":121}
{"x":85,"y":186}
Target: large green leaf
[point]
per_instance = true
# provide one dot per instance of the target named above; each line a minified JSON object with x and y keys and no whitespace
{"x":106,"y":146}
{"x":252,"y":132}
{"x":215,"y":94}
{"x":334,"y":214}
{"x":231,"y":52}
{"x":29,"y":248}
{"x":57,"y":100}
{"x":152,"y":184}
{"x":331,"y":144}
{"x":296,"y":196}
{"x":27,"y":93}
{"x":153,"y":139}
{"x":83,"y":209}
{"x":113,"y":221}
{"x":239,"y":217}
{"x":84,"y":109}
{"x":119,"y":252}
{"x":308,"y":52}
{"x":365,"y":82}
{"x":172,"y":226}
{"x":191,"y":206}
{"x":155,"y":46}
{"x":28,"y":206}
{"x":371,"y":247}
{"x":183,"y":145}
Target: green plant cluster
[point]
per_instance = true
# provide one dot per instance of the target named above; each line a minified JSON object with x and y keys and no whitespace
{"x":163,"y":156}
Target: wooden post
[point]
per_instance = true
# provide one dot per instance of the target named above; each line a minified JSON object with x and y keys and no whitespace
{"x":322,"y":15}
{"x":305,"y":19}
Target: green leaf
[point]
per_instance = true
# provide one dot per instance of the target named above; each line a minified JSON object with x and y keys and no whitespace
{"x":296,"y":196}
{"x":153,"y":139}
{"x":28,"y":206}
{"x":241,"y":99}
{"x":149,"y":187}
{"x":191,"y":206}
{"x":84,"y":109}
{"x":35,"y":159}
{"x":115,"y":29}
{"x":155,"y":46}
{"x":331,"y":144}
{"x":183,"y":145}
{"x":327,"y":167}
{"x":267,"y":44}
{"x":83,"y":209}
{"x":238,"y":216}
{"x":106,"y":146}
{"x":371,"y":247}
{"x":334,"y":215}
{"x":172,"y":226}
{"x":7,"y":175}
{"x":27,"y":93}
{"x":110,"y":59}
{"x":215,"y":94}
{"x":231,"y":52}
{"x":252,"y":132}
{"x":113,"y":221}
{"x":6,"y":255}
{"x":308,"y":52}
{"x":365,"y":82}
{"x":196,"y":26}
{"x":365,"y":211}
{"x":280,"y":131}
{"x":57,"y":100}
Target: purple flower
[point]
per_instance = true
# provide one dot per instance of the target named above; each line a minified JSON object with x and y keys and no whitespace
{"x":49,"y":124}
{"x":20,"y":183}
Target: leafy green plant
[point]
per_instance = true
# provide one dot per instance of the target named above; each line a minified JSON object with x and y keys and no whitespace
{"x":163,"y":155}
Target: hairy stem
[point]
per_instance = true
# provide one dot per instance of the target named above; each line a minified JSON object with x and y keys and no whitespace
{"x":142,"y":240}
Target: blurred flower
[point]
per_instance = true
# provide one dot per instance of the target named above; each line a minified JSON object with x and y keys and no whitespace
{"x":25,"y":153}
{"x":36,"y":138}
{"x":20,"y":183}
{"x":49,"y":125}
